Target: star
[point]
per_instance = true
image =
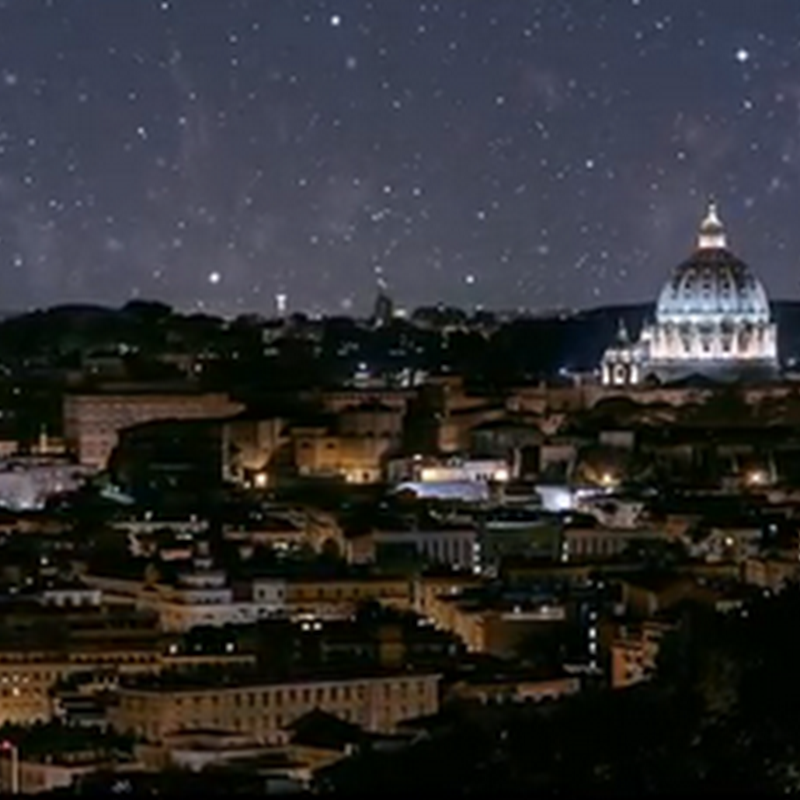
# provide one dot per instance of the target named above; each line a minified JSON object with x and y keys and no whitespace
{"x":288,"y":147}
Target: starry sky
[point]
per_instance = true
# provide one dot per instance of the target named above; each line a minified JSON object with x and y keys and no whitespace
{"x":532,"y":154}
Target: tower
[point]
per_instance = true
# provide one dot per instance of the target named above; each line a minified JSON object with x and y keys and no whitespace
{"x":383,"y":310}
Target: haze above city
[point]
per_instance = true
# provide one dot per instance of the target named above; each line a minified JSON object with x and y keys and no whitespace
{"x":539,"y":154}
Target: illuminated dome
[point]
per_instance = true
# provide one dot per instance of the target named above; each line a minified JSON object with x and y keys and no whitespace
{"x":713,"y":285}
{"x":712,"y":319}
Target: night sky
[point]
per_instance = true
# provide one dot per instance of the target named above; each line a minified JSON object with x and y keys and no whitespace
{"x":506,"y":153}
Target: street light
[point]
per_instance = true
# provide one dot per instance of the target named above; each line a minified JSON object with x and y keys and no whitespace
{"x":9,"y":747}
{"x":607,"y":479}
{"x":757,"y":477}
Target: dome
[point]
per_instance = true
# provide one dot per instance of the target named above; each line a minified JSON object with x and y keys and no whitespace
{"x":713,"y":285}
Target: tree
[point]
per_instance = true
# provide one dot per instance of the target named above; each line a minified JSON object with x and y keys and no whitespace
{"x":723,"y":407}
{"x":148,"y":311}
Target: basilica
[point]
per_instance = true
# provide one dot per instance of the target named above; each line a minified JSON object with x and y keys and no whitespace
{"x":712,"y":319}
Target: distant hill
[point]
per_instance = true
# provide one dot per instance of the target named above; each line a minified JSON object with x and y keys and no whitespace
{"x":523,"y":346}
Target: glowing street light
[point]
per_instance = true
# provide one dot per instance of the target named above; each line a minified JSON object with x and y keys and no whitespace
{"x":607,"y":479}
{"x":757,"y":477}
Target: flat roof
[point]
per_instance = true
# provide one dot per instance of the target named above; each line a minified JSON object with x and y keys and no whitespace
{"x":228,"y":679}
{"x":142,"y":389}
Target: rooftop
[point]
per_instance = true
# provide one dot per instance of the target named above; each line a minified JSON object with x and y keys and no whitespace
{"x":219,"y":679}
{"x":141,"y":389}
{"x":55,"y":739}
{"x":318,"y":728}
{"x":657,"y":581}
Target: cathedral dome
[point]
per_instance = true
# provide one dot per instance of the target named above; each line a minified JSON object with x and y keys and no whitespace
{"x":713,"y":285}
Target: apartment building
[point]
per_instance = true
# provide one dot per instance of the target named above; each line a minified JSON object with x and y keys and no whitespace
{"x":597,"y":543}
{"x":454,"y":546}
{"x":204,"y":597}
{"x":428,"y":589}
{"x":98,"y":644}
{"x":496,"y":628}
{"x":253,"y":706}
{"x":334,"y":596}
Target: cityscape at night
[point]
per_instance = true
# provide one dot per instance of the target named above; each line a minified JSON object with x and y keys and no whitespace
{"x":399,"y":397}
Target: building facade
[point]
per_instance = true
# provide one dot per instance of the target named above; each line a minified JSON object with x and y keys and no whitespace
{"x":93,"y":421}
{"x":263,"y":710}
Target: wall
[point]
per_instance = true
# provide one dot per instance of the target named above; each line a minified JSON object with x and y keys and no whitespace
{"x":262,"y":711}
{"x":92,"y":421}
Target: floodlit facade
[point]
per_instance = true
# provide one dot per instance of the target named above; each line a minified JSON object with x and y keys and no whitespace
{"x":262,"y":709}
{"x":712,"y":318}
{"x":93,"y":421}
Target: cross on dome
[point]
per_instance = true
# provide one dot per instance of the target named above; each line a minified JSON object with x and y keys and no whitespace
{"x":712,"y":231}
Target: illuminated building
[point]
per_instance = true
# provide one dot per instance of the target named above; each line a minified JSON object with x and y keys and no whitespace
{"x":45,"y":645}
{"x":712,"y":318}
{"x":27,"y":482}
{"x":92,"y":421}
{"x":262,"y":709}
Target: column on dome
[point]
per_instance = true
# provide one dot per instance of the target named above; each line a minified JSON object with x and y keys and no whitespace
{"x":745,"y":340}
{"x":657,"y":341}
{"x":691,"y":337}
{"x":736,"y":339}
{"x":772,"y":342}
{"x":716,"y":341}
{"x":674,"y":341}
{"x":758,"y":341}
{"x":671,"y":341}
{"x":664,"y":344}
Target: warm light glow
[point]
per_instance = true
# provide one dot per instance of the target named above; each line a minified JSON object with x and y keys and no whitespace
{"x":607,"y":479}
{"x":757,"y":477}
{"x":501,"y":476}
{"x":428,"y":475}
{"x":261,"y":480}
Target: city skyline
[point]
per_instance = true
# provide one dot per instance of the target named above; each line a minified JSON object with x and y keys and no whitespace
{"x":216,"y":155}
